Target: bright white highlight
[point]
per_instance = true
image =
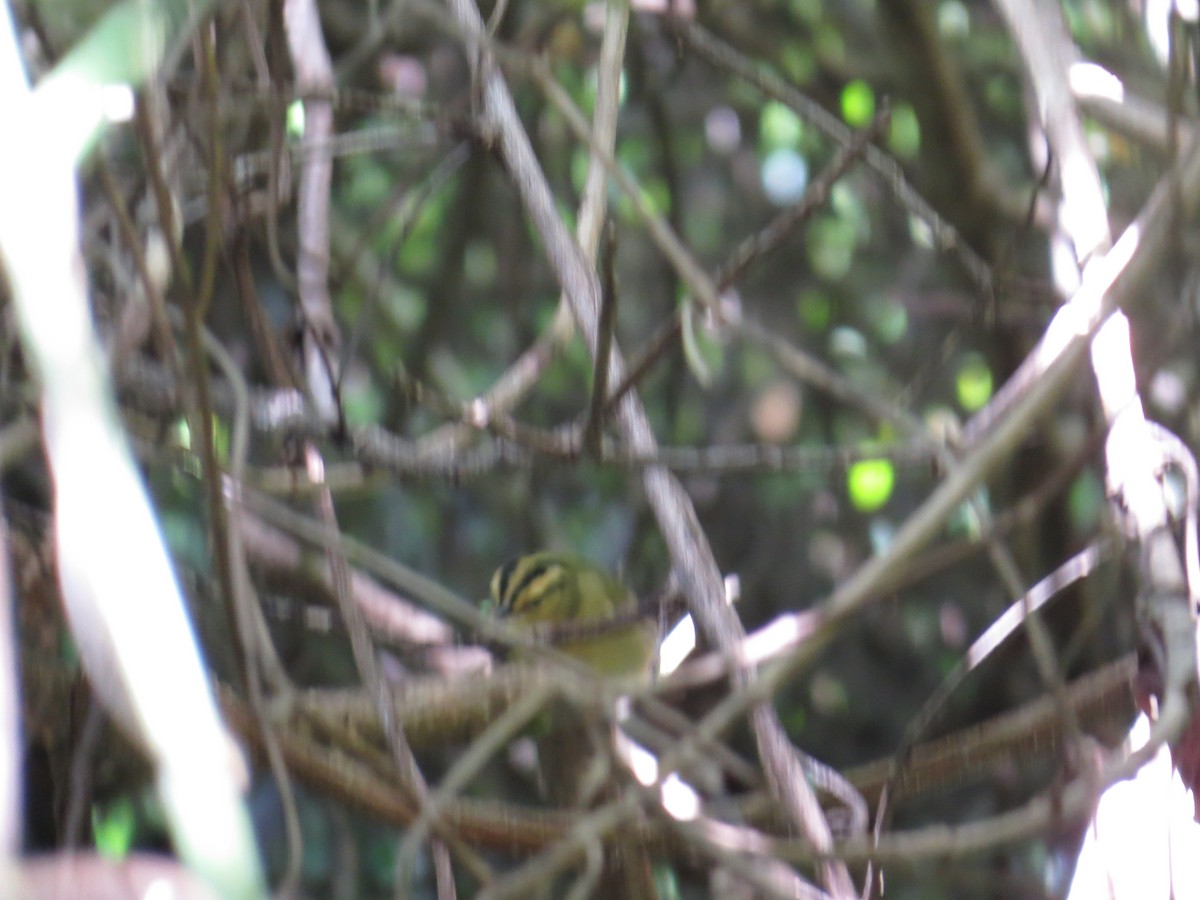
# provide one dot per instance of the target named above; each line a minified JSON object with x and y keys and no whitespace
{"x":68,"y":110}
{"x":1110,"y":350}
{"x":778,"y":636}
{"x":675,"y":647}
{"x":681,"y":640}
{"x":477,"y":413}
{"x":116,"y":102}
{"x":1142,"y":841}
{"x":733,"y":588}
{"x":1090,"y":80}
{"x":642,"y":763}
{"x":679,"y":799}
{"x":1157,"y":15}
{"x":1075,"y":318}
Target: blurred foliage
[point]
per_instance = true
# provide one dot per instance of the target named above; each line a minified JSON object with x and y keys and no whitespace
{"x":447,"y":283}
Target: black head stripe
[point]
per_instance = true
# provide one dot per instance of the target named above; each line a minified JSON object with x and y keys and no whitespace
{"x":528,"y":577}
{"x":500,"y":590}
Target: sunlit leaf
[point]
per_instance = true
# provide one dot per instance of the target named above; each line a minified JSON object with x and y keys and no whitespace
{"x":779,"y":126}
{"x":113,"y":828}
{"x":183,"y":433}
{"x":870,"y":483}
{"x":904,"y":132}
{"x":858,"y":103}
{"x":295,"y":118}
{"x":973,"y":384}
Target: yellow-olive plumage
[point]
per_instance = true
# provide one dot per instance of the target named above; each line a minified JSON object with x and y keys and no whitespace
{"x":550,"y":588}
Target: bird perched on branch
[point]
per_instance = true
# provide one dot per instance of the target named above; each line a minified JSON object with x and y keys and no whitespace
{"x":576,"y":598}
{"x":588,"y":615}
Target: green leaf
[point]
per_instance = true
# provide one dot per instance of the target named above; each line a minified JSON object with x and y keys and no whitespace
{"x":364,"y":404}
{"x":831,"y":244}
{"x":889,"y":319}
{"x":1086,"y":502}
{"x":113,"y":827}
{"x":295,"y":118}
{"x":858,"y":103}
{"x":870,"y":483}
{"x":815,"y":309}
{"x":973,"y":384}
{"x":779,"y":126}
{"x":904,"y":132}
{"x":797,"y":60}
{"x":221,"y":439}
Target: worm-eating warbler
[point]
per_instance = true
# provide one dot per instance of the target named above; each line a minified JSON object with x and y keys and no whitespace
{"x":551,"y":588}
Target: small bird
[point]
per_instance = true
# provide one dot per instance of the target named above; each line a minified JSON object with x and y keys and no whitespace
{"x":561,"y":589}
{"x":550,"y":588}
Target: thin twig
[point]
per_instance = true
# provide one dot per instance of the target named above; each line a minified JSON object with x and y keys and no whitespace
{"x":725,"y":57}
{"x":1076,"y":568}
{"x":772,"y":235}
{"x":608,"y":321}
{"x":700,"y":577}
